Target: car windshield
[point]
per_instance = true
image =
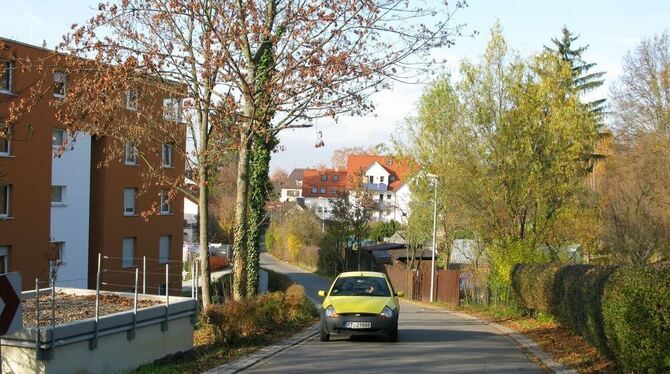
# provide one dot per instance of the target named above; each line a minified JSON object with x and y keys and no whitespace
{"x":360,"y":286}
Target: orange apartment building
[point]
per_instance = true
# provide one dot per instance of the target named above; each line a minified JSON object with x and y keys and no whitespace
{"x":65,"y":200}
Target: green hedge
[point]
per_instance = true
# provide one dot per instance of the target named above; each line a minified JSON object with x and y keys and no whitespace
{"x":624,"y":312}
{"x":636,"y":310}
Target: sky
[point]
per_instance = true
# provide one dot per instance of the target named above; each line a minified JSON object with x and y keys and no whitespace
{"x":609,"y":27}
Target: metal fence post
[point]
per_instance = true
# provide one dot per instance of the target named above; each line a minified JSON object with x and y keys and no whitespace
{"x":164,"y":326}
{"x":131,"y":333}
{"x":53,"y":316}
{"x":93,"y":343}
{"x":37,"y":312}
{"x":144,"y":275}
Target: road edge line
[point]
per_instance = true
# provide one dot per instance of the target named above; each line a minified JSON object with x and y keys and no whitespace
{"x":265,"y":352}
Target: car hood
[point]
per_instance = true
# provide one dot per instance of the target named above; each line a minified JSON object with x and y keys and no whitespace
{"x":359,"y":304}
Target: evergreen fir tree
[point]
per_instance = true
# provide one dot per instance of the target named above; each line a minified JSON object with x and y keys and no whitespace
{"x":583,"y":80}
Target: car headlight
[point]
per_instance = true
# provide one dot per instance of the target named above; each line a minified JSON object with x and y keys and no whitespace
{"x":330,"y":312}
{"x":386,"y":312}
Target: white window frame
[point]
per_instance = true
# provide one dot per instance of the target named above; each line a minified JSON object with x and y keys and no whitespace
{"x":128,"y":259}
{"x":164,"y":253}
{"x":63,"y":190}
{"x":165,"y":202}
{"x":4,"y":255}
{"x":8,"y":144}
{"x":167,"y":161}
{"x":6,"y":191}
{"x":132,"y":103}
{"x":9,"y":65}
{"x":173,"y":110}
{"x":126,"y":210}
{"x":57,"y":77}
{"x":130,"y":155}
{"x":62,"y":137}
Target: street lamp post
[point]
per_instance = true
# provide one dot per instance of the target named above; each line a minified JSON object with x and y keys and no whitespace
{"x":432,"y":260}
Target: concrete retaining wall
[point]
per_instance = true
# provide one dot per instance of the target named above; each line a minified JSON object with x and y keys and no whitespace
{"x":122,"y":342}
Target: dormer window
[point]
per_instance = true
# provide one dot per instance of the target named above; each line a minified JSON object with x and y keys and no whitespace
{"x":391,"y":178}
{"x":6,"y":76}
{"x":60,"y":84}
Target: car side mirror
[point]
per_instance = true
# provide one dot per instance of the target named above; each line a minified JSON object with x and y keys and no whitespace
{"x":322,"y":293}
{"x":400,"y":294}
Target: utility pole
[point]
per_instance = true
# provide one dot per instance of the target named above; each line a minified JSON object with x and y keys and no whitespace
{"x":432,"y":261}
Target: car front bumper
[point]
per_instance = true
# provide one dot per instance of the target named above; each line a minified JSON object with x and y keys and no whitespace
{"x":379,"y":325}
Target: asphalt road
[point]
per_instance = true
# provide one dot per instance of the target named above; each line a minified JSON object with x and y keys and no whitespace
{"x":430,"y":341}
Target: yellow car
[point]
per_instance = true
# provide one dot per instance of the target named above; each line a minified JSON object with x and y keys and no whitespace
{"x":360,"y":303}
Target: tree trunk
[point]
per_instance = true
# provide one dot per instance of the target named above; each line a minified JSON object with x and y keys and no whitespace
{"x":203,"y":209}
{"x":240,"y":233}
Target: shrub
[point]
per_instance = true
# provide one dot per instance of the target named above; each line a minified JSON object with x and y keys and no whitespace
{"x":532,"y":285}
{"x":576,"y":301}
{"x":636,"y":310}
{"x":624,"y":312}
{"x":217,"y":263}
{"x":255,"y":319}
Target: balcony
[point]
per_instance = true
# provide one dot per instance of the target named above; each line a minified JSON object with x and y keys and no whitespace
{"x":376,"y":186}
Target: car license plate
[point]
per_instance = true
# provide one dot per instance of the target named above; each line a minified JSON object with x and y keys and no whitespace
{"x":358,"y":325}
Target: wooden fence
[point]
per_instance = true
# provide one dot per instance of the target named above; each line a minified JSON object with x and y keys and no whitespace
{"x":416,"y":283}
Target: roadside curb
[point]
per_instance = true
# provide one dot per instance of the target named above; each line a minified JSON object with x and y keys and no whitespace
{"x":264,"y":353}
{"x":526,"y":344}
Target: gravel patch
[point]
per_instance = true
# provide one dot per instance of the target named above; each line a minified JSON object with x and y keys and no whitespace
{"x":71,"y":308}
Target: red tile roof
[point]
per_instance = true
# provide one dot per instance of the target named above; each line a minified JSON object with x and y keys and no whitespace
{"x":312,"y":179}
{"x":358,"y":164}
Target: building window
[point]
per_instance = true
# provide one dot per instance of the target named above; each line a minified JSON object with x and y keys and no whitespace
{"x":167,"y":155}
{"x":132,"y":99}
{"x":162,"y":288}
{"x":131,"y":153}
{"x":165,"y":202}
{"x":336,"y":178}
{"x":322,"y":190}
{"x":128,"y":253}
{"x":381,"y":179}
{"x":6,"y":142}
{"x":371,"y":179}
{"x":389,"y":162}
{"x":60,"y":84}
{"x":129,"y":197}
{"x":173,"y":110}
{"x":6,"y":77}
{"x":324,"y":178}
{"x":57,"y":195}
{"x":4,"y":259}
{"x":5,"y":200}
{"x":57,"y":137}
{"x":391,"y":178}
{"x":333,"y":191}
{"x":388,"y":196}
{"x":381,"y":197}
{"x":164,"y":249}
{"x":314,"y":190}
